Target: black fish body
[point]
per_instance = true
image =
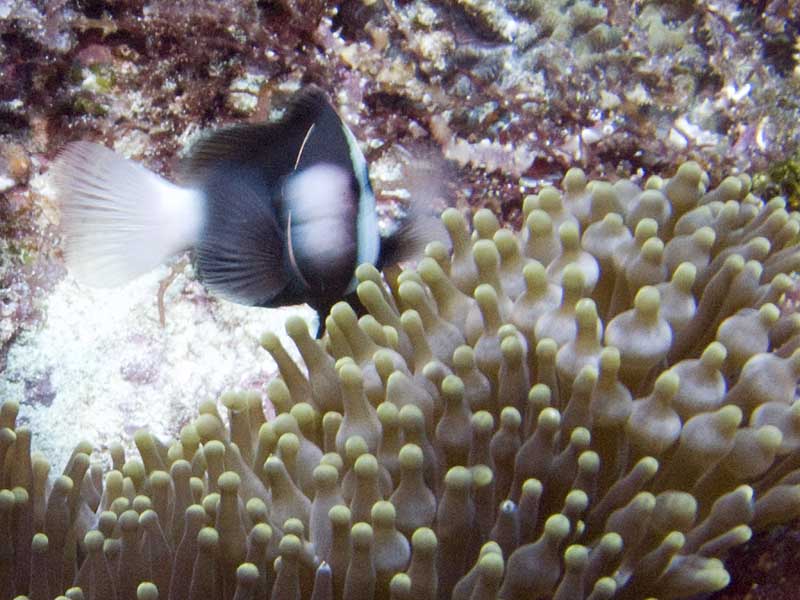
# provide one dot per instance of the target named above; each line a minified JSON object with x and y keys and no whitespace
{"x":276,"y":213}
{"x":304,"y":209}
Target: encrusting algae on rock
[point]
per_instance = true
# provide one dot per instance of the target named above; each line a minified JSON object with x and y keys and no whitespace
{"x":599,"y":406}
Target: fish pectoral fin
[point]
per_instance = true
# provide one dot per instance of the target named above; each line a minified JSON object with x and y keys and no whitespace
{"x":421,"y":224}
{"x":409,"y":240}
{"x":240,"y":254}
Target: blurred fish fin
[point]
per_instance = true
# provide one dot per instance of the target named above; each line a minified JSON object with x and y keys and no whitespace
{"x":120,"y":219}
{"x":408,"y":242}
{"x":421,"y":224}
{"x":240,"y":254}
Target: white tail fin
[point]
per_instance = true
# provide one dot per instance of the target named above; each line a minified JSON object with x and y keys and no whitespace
{"x":120,"y":219}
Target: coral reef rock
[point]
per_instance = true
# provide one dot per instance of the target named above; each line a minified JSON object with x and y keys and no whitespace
{"x":599,"y":406}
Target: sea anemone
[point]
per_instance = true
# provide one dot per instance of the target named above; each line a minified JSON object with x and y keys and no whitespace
{"x":601,"y":405}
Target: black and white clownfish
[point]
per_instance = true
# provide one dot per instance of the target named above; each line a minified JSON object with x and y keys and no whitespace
{"x":276,"y":213}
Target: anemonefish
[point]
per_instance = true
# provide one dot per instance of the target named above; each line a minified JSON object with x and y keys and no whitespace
{"x":277,"y":213}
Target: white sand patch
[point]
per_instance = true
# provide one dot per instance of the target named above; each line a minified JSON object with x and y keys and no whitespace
{"x":101,"y":366}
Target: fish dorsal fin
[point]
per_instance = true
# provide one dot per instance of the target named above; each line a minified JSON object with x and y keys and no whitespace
{"x":272,"y":147}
